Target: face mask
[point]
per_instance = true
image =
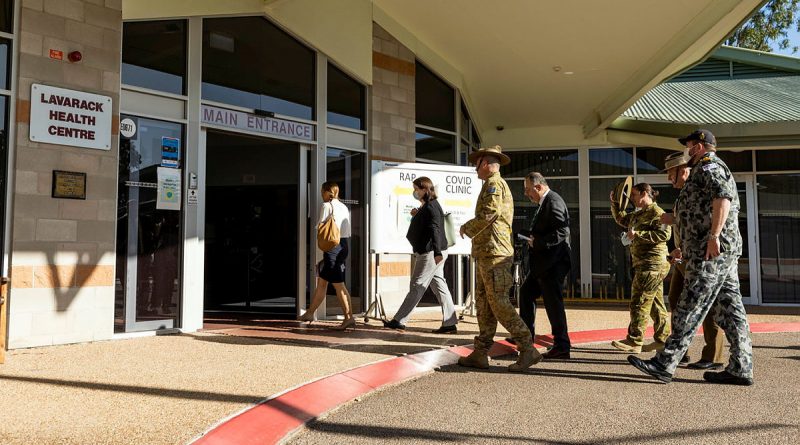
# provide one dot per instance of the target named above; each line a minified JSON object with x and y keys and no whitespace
{"x":686,"y":152}
{"x":416,"y":195}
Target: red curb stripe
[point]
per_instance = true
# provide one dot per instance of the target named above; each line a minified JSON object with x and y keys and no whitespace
{"x":271,"y":421}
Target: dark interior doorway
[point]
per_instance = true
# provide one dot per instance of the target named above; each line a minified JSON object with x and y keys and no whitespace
{"x":251,"y":246}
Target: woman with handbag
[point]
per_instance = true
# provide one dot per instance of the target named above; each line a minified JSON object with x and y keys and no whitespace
{"x":427,"y":238}
{"x":333,"y":217}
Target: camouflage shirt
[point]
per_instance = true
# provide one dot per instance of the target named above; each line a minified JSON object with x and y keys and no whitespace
{"x":495,"y":240}
{"x":649,"y":246}
{"x":710,"y":179}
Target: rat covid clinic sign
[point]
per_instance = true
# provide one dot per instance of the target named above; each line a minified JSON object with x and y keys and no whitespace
{"x":68,"y":117}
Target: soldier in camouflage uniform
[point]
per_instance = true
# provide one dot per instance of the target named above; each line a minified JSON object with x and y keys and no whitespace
{"x":649,"y":252}
{"x":493,"y":252}
{"x":707,"y":211}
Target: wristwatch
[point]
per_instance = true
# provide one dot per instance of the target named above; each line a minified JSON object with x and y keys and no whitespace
{"x":710,"y":237}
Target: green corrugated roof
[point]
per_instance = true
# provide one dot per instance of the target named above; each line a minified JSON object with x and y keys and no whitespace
{"x":773,"y":99}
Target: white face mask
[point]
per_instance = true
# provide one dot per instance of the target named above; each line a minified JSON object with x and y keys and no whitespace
{"x":416,"y":195}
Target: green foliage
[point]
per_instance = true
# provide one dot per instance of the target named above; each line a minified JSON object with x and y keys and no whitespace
{"x":770,"y":24}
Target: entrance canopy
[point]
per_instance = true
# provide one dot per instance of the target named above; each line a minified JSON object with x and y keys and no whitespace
{"x":548,"y":73}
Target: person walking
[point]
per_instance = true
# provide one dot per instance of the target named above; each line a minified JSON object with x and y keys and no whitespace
{"x":677,"y":168}
{"x":427,"y":238}
{"x":707,"y":210}
{"x":493,"y":252}
{"x":332,"y":267}
{"x":550,"y":262}
{"x":649,"y":253}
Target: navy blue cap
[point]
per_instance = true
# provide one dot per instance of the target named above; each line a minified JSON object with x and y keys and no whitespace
{"x":699,"y":135}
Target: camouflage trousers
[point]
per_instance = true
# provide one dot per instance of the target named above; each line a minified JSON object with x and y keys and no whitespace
{"x":647,"y":301}
{"x":711,"y":286}
{"x":493,"y":281}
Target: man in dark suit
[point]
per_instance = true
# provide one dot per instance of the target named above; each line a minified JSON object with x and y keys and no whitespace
{"x":549,"y":263}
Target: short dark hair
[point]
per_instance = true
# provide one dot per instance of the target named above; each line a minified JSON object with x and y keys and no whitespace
{"x":644,"y":187}
{"x":536,"y":178}
{"x":426,"y":184}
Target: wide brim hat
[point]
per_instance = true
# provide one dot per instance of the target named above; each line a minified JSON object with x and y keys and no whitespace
{"x":496,"y":151}
{"x":675,"y":160}
{"x":622,"y":192}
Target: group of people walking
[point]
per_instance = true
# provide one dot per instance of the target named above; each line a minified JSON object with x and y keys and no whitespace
{"x":704,"y":286}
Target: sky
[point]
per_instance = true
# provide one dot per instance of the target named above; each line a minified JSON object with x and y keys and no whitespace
{"x":794,"y":40}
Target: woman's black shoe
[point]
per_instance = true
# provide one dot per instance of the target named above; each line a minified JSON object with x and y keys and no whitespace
{"x":445,"y":330}
{"x":394,"y":324}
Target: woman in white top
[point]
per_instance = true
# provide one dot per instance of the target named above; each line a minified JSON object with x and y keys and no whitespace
{"x":332,"y":267}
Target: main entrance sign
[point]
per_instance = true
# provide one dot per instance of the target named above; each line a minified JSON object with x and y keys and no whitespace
{"x":259,"y":124}
{"x":69,"y":117}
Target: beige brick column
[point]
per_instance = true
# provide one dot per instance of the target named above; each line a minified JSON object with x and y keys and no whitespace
{"x":393,"y":138}
{"x":63,"y":252}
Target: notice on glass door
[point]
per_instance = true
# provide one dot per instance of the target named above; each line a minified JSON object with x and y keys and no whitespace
{"x":169,"y":189}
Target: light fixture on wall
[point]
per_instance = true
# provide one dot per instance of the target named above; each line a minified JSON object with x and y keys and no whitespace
{"x":74,"y":56}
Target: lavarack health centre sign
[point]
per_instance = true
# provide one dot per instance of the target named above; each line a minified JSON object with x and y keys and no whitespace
{"x":69,"y":117}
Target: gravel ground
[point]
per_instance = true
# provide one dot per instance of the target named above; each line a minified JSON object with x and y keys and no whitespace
{"x":169,"y":389}
{"x":596,"y":397}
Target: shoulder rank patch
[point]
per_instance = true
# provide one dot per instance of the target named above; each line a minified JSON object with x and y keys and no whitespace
{"x":491,"y":189}
{"x":710,"y":167}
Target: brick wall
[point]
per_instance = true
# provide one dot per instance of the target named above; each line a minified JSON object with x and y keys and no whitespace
{"x":62,"y":258}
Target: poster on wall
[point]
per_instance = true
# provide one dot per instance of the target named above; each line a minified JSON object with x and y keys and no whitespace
{"x":170,"y":152}
{"x":169,"y":189}
{"x":457,"y":188}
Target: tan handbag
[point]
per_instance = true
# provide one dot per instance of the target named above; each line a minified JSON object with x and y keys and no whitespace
{"x":328,"y":235}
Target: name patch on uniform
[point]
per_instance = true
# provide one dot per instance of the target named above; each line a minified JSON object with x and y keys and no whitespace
{"x":491,"y":189}
{"x":710,"y":167}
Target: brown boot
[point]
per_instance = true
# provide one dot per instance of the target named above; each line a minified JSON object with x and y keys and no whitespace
{"x":627,"y":346}
{"x":479,"y":358}
{"x":527,"y":358}
{"x":655,"y":346}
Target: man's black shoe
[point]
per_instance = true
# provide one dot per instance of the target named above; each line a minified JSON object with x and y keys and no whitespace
{"x":650,"y":367}
{"x":445,"y":330}
{"x":394,"y":324}
{"x":704,"y":364}
{"x":556,"y":354}
{"x":685,"y":358}
{"x":726,"y":378}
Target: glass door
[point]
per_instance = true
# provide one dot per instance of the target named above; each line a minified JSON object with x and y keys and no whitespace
{"x":779,"y":237}
{"x":149,"y":229}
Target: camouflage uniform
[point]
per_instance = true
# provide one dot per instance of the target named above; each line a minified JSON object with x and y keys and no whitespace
{"x":713,"y":283}
{"x":494,"y":254}
{"x":649,"y":252}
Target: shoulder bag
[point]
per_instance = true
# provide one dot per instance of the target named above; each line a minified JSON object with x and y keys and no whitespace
{"x":328,"y":235}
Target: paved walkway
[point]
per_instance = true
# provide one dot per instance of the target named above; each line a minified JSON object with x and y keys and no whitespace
{"x":168,"y":390}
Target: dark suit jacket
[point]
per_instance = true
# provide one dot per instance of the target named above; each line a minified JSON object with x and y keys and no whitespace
{"x":550,"y":230}
{"x":426,"y":231}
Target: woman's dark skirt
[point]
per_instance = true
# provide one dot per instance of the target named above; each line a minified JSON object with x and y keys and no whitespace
{"x":332,"y":266}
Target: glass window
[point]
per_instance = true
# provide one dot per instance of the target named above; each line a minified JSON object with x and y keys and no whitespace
{"x":650,"y":160}
{"x":435,"y":100}
{"x":251,"y":63}
{"x":777,"y":160}
{"x":611,"y":161}
{"x":7,"y":16}
{"x":779,"y":236}
{"x":345,"y":100}
{"x":465,"y":123}
{"x":523,"y":217}
{"x":434,"y":146}
{"x":737,"y":161}
{"x":346,"y":168}
{"x":611,"y":262}
{"x":3,"y":166}
{"x":5,"y":64}
{"x":548,"y":163}
{"x":154,"y":55}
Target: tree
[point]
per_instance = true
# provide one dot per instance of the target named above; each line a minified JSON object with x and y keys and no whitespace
{"x":771,"y":23}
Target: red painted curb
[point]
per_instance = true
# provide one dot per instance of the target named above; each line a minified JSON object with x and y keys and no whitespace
{"x":271,"y":421}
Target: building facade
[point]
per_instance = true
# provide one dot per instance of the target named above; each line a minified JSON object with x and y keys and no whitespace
{"x":163,"y":162}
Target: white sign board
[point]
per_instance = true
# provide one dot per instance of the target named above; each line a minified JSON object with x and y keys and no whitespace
{"x":69,"y":117}
{"x":259,"y":124}
{"x":169,"y":189}
{"x":392,"y":187}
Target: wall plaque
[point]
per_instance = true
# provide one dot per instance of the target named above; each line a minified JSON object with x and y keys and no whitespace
{"x":69,"y":185}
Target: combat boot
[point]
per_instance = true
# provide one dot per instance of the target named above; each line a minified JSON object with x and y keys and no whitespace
{"x":655,"y":346}
{"x":479,"y":358}
{"x":627,"y":346}
{"x":527,"y":358}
